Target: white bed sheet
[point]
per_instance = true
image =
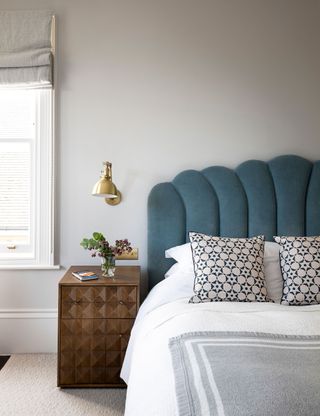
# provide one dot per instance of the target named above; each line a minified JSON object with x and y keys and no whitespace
{"x":166,"y":313}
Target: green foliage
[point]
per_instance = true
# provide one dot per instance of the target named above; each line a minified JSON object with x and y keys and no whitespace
{"x":102,"y":248}
{"x":98,"y":236}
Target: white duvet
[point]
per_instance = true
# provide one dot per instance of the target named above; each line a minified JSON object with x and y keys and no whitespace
{"x":166,"y":313}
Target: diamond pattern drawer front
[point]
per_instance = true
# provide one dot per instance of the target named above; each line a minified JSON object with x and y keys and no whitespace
{"x":95,"y":321}
{"x":99,"y":294}
{"x":99,"y":302}
{"x":96,"y":344}
{"x":95,"y":334}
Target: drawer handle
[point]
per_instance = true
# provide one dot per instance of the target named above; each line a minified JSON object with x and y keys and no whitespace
{"x":76,"y":301}
{"x":120,"y":335}
{"x":121,"y":302}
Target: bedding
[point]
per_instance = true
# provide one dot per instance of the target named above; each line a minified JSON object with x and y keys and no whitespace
{"x":262,"y":361}
{"x":166,"y":314}
{"x":181,"y":254}
{"x":300,"y":267}
{"x":228,"y":269}
{"x":173,"y":269}
{"x":273,"y":278}
{"x":272,"y":271}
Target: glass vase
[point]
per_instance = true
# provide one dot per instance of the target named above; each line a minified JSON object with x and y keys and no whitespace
{"x":108,"y":266}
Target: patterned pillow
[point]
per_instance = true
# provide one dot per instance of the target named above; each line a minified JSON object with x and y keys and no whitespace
{"x":300,"y":267}
{"x":228,"y":269}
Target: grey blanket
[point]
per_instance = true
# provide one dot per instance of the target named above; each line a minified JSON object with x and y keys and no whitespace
{"x":246,"y":374}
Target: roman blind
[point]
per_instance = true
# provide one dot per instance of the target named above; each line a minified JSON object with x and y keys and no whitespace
{"x":26,"y":48}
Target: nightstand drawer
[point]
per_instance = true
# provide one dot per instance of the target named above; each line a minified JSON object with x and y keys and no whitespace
{"x":91,"y":376}
{"x":99,"y":294}
{"x":99,"y":302}
{"x":95,"y":328}
{"x":92,"y":350}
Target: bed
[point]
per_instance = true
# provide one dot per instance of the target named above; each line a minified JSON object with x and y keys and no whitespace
{"x":225,"y":358}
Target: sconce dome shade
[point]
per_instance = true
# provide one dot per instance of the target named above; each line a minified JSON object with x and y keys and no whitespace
{"x":105,"y":188}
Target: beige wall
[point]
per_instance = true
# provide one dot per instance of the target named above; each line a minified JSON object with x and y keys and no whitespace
{"x":160,"y":86}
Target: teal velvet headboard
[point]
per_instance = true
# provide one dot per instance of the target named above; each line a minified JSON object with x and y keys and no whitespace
{"x":280,"y":197}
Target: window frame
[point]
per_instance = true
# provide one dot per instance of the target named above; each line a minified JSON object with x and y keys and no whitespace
{"x":42,"y":191}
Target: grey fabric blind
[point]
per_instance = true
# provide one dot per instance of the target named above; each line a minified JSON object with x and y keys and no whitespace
{"x":26,"y":48}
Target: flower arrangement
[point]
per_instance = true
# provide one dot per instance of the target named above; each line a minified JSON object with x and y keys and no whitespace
{"x":100,"y":247}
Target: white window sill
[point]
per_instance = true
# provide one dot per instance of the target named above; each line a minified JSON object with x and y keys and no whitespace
{"x":29,"y":267}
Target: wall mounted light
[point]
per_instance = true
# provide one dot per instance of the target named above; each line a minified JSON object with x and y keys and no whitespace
{"x":105,"y":187}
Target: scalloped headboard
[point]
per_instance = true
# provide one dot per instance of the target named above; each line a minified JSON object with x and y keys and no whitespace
{"x":280,"y":197}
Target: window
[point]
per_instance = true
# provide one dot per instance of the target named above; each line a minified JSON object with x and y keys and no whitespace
{"x":26,"y":172}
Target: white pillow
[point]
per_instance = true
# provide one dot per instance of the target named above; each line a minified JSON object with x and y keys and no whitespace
{"x":182,"y":255}
{"x":272,"y":272}
{"x":173,"y":270}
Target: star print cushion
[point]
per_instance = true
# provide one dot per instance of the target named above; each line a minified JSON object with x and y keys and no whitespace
{"x":228,"y":269}
{"x":300,"y":268}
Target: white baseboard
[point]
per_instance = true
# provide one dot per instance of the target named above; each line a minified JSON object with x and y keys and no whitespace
{"x":28,"y":330}
{"x":28,"y":313}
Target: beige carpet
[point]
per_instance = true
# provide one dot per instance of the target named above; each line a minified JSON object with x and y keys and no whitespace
{"x":28,"y":388}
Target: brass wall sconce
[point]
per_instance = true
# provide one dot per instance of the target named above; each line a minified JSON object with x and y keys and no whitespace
{"x":105,"y":187}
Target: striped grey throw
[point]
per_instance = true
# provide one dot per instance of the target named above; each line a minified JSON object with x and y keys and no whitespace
{"x":246,"y":374}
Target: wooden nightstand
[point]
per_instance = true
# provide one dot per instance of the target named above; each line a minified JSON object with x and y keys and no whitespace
{"x":95,"y":320}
